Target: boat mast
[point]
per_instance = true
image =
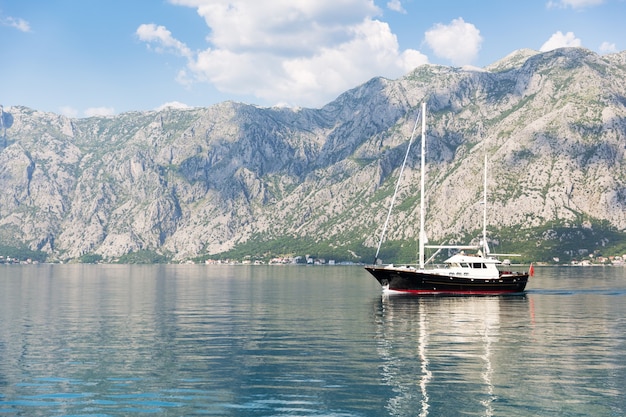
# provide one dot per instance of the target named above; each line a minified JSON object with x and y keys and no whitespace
{"x":422,"y":235}
{"x":485,"y":244}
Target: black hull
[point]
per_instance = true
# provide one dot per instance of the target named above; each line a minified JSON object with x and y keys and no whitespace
{"x":421,"y":282}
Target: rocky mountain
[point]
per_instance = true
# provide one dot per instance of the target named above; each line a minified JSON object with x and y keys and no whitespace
{"x":195,"y":182}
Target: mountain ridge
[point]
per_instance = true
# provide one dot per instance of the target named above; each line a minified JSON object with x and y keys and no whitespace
{"x":189,"y":183}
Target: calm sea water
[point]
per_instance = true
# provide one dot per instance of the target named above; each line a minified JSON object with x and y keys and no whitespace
{"x":114,"y":340}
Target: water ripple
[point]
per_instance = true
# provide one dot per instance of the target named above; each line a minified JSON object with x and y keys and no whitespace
{"x":192,"y":340}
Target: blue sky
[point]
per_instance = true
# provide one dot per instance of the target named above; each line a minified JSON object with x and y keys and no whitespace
{"x":99,"y":57}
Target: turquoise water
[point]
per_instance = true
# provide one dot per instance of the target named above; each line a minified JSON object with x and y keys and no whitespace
{"x":185,"y":340}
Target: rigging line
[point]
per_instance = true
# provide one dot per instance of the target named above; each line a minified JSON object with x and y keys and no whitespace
{"x":393,"y":199}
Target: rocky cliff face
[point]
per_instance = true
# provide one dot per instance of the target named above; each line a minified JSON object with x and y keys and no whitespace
{"x":198,"y":181}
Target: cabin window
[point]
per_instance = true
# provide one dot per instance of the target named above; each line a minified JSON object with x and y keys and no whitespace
{"x":479,"y":265}
{"x":464,"y":265}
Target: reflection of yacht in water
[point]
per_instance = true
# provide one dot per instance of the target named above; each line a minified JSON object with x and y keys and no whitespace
{"x":462,"y":274}
{"x":439,"y":354}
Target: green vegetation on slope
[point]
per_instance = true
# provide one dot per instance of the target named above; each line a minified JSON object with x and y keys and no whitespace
{"x":553,"y":243}
{"x":21,"y":254}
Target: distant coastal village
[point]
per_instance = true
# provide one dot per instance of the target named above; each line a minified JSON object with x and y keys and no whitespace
{"x":619,"y":260}
{"x":297,"y":260}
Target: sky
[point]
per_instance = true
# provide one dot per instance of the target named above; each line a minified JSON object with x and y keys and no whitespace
{"x":84,"y":58}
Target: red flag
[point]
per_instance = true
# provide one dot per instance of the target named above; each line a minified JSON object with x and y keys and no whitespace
{"x":531,"y":270}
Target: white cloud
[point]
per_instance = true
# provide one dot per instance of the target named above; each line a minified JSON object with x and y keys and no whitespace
{"x":608,"y":48}
{"x":560,"y":40}
{"x":17,"y":23}
{"x":99,"y":111}
{"x":303,"y":53}
{"x":574,"y":4}
{"x":279,"y":25}
{"x":152,"y":33}
{"x":396,"y":6}
{"x":458,"y":42}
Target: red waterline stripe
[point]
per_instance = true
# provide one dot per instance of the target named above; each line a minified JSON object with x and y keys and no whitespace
{"x":433,"y":292}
